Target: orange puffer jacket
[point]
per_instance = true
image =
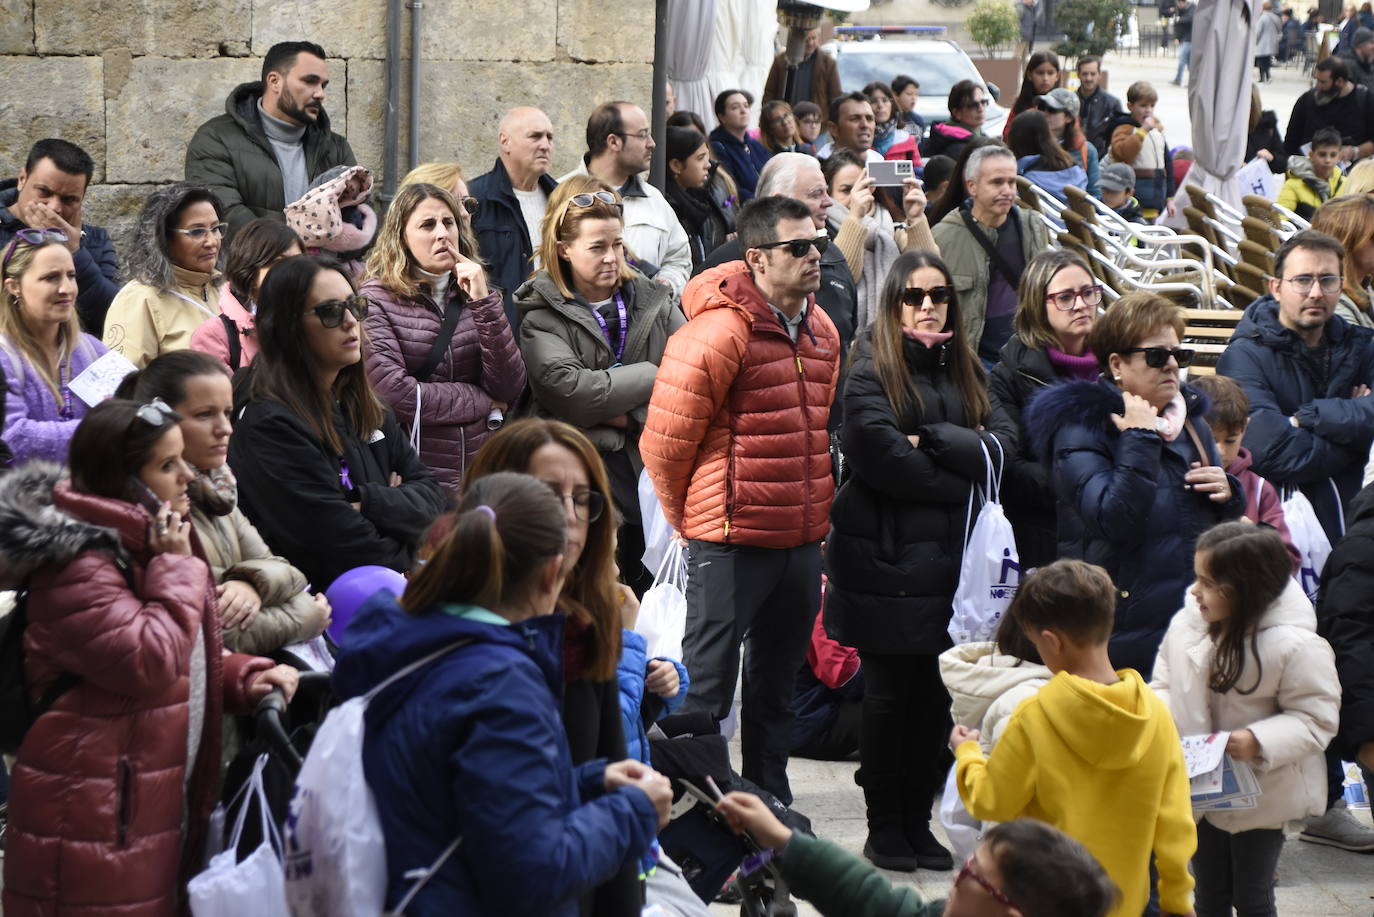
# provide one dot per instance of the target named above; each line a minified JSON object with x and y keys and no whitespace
{"x":736,"y":440}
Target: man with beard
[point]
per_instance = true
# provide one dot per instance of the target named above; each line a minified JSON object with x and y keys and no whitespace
{"x":272,"y":139}
{"x":1335,"y":101}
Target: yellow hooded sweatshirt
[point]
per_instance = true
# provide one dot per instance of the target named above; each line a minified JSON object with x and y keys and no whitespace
{"x":1104,"y":764}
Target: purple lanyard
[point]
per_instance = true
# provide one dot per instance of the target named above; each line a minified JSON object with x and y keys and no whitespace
{"x":605,"y":329}
{"x":67,"y":412}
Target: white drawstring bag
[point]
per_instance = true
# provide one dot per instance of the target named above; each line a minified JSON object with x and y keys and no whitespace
{"x":663,"y":612}
{"x":1308,"y":537}
{"x":963,"y":830}
{"x":991,"y":570}
{"x":658,"y":534}
{"x":229,"y":888}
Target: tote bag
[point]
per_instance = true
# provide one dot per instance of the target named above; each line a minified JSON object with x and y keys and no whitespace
{"x":1308,"y":537}
{"x":229,"y":888}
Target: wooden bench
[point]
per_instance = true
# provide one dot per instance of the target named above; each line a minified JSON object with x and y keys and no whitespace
{"x":1208,"y":331}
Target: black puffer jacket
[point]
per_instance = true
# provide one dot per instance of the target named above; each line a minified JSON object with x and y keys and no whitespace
{"x":1345,"y":617}
{"x":897,"y":527}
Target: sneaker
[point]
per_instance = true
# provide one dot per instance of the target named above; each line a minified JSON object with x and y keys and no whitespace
{"x":1339,"y":828}
{"x":930,"y":853}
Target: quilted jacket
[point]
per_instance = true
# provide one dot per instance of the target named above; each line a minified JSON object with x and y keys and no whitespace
{"x":482,"y":365}
{"x":736,"y":440}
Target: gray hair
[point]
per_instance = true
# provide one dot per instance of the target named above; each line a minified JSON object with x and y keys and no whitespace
{"x":779,"y":176}
{"x":974,"y":166}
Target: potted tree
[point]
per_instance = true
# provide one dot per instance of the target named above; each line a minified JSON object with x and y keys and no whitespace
{"x":996,"y":28}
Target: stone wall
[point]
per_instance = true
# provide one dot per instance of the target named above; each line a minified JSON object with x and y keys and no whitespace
{"x":131,"y":81}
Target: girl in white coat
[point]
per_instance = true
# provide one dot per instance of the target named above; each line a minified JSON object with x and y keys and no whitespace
{"x":1243,"y":656}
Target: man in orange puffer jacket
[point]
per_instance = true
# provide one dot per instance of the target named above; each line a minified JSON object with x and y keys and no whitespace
{"x":737,"y":448}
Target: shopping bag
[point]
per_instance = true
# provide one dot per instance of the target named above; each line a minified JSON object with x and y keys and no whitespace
{"x":1308,"y":537}
{"x":658,"y":534}
{"x":663,"y":610}
{"x":230,"y":888}
{"x":963,"y":830}
{"x":990,"y":571}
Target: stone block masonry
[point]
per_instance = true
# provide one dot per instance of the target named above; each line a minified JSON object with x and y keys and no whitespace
{"x":130,"y":81}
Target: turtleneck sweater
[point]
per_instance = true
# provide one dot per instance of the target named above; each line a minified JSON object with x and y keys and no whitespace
{"x":288,"y":141}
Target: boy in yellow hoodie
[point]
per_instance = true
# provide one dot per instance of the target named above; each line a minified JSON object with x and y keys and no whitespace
{"x":1315,"y":178}
{"x":1094,"y":753}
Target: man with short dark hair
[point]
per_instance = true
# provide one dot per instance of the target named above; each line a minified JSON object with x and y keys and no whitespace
{"x":272,"y":140}
{"x":1335,"y":100}
{"x":851,"y":126}
{"x":737,"y":446}
{"x":1096,"y":106}
{"x":49,"y":194}
{"x":619,"y":148}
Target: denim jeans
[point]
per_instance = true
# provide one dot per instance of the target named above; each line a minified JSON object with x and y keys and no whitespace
{"x":1236,"y":871}
{"x":1185,"y":49}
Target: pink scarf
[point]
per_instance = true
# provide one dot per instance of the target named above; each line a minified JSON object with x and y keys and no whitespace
{"x":1173,"y":415}
{"x":931,"y":339}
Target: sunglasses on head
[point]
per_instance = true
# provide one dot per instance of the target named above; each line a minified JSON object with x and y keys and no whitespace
{"x":916,"y":297}
{"x":155,"y":413}
{"x":1158,"y":357}
{"x":30,"y":237}
{"x":589,"y":198}
{"x":331,"y":313}
{"x":798,"y":248}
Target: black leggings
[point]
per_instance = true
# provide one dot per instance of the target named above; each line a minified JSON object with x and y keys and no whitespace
{"x":1264,"y":62}
{"x":1236,"y":871}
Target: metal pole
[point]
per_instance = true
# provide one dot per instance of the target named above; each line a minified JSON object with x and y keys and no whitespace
{"x":416,"y":17}
{"x":390,"y":113}
{"x":659,"y":114}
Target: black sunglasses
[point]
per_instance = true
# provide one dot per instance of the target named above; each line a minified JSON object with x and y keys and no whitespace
{"x":798,"y":248}
{"x":471,"y":205}
{"x":331,"y":313}
{"x":1158,"y":357}
{"x":916,"y":297}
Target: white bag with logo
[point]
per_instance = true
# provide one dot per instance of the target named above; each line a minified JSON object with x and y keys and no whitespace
{"x":229,"y":888}
{"x":963,"y":830}
{"x":663,"y":612}
{"x":991,"y":570}
{"x":1308,"y":537}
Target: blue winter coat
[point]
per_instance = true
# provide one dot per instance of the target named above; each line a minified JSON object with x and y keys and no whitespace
{"x":630,"y":672}
{"x":1053,"y":181}
{"x":473,"y":745}
{"x":1331,"y":445}
{"x":1123,"y":505}
{"x":743,"y":159}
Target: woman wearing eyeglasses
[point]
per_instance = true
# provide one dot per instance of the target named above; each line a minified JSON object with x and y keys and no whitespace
{"x":173,"y":268}
{"x":325,"y":472}
{"x":440,"y":350}
{"x":1135,"y":468}
{"x":120,"y":771}
{"x":779,"y":131}
{"x":42,"y":347}
{"x":1058,"y":303}
{"x":592,"y":331}
{"x":917,"y":423}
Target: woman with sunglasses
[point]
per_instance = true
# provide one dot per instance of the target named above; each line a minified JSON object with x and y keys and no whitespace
{"x":42,"y":347}
{"x":325,"y":472}
{"x":1135,"y":468}
{"x":1058,"y":302}
{"x":918,"y":429}
{"x":592,"y":602}
{"x":702,"y":206}
{"x":440,"y":350}
{"x":592,"y":332}
{"x":173,"y":269}
{"x":120,"y":771}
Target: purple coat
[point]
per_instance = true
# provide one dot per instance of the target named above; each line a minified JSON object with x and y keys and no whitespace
{"x":34,"y":428}
{"x":482,"y":365}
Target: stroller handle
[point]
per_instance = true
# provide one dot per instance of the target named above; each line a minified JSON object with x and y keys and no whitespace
{"x":269,"y":724}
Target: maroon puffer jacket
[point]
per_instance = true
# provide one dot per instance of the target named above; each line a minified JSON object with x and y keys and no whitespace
{"x":482,"y":365}
{"x":97,"y":807}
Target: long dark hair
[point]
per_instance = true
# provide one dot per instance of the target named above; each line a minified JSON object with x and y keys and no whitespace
{"x":284,"y":369}
{"x":165,"y":376}
{"x":1251,"y":567}
{"x":111,"y":445}
{"x":1030,"y":136}
{"x":886,"y":332}
{"x":1025,"y":99}
{"x":955,"y":192}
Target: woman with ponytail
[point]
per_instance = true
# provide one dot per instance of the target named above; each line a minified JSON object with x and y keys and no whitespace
{"x":470,"y":744}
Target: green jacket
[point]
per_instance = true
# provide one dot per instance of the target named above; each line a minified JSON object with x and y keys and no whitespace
{"x":970,"y":266}
{"x":231,"y":155}
{"x":840,"y":884}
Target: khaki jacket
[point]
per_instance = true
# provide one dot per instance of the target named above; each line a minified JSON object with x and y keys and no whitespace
{"x":969,"y":264}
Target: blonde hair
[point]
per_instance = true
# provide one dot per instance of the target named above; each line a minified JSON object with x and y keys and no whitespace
{"x":443,"y":174}
{"x":562,"y":223}
{"x":16,"y":337}
{"x":1350,"y":219}
{"x":390,"y":261}
{"x":1360,"y":180}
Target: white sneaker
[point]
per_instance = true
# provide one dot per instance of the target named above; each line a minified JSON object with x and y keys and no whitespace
{"x":1339,"y":828}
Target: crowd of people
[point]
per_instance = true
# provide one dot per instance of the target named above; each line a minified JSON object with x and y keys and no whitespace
{"x":490,"y":386}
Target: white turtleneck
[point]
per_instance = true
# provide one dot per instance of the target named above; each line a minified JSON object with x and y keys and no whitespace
{"x":437,"y":283}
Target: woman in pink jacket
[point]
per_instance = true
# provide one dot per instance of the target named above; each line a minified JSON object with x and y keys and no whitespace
{"x":439,"y":344}
{"x":229,"y":336}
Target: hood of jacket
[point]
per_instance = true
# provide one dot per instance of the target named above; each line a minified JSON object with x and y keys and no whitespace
{"x":976,"y":675}
{"x":242,"y":106}
{"x":1241,"y":463}
{"x":383,"y":638}
{"x":1109,"y":726}
{"x":9,"y":194}
{"x":147,"y":258}
{"x":34,"y":532}
{"x":1090,"y":404}
{"x":1120,"y":118}
{"x":1261,"y":323}
{"x":1301,"y":167}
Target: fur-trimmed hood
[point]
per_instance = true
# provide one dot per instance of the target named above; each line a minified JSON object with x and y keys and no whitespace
{"x":1088,"y":404}
{"x":147,"y":258}
{"x":34,"y":533}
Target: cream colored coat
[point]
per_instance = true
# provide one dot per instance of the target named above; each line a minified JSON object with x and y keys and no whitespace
{"x":986,"y":687}
{"x":1293,"y":712}
{"x":144,"y":321}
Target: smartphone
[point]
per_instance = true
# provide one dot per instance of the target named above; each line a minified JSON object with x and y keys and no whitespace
{"x":890,"y":173}
{"x":146,"y":498}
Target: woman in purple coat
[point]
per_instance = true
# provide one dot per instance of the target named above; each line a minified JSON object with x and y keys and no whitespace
{"x":42,"y":347}
{"x":458,"y":376}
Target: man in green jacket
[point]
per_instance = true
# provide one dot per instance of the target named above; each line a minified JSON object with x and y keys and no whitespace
{"x":987,"y":267}
{"x":272,"y":139}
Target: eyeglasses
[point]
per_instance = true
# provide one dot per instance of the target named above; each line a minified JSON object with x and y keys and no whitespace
{"x":589,"y":198}
{"x":1064,"y":299}
{"x":811,"y":119}
{"x":587,"y":504}
{"x":471,"y":205}
{"x":1330,"y":283}
{"x":30,"y":237}
{"x":916,"y":297}
{"x":798,"y":248}
{"x":980,"y":103}
{"x":1158,"y":357}
{"x":196,"y":233}
{"x":642,"y":134}
{"x":331,"y":313}
{"x":968,"y":872}
{"x":155,"y":413}
{"x":777,"y":119}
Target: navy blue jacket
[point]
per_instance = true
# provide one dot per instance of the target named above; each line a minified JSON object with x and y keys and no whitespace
{"x":473,"y":745}
{"x":630,"y":673}
{"x":743,"y":159}
{"x":1332,"y":444}
{"x":96,"y":265}
{"x":502,"y":238}
{"x":1123,"y":504}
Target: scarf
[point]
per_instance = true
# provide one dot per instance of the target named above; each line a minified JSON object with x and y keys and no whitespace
{"x":880,"y":252}
{"x":1172,"y":418}
{"x":931,"y":339}
{"x":216,"y":491}
{"x":1067,"y":365}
